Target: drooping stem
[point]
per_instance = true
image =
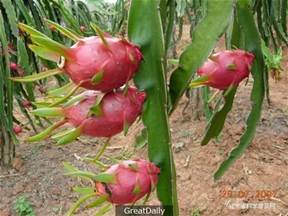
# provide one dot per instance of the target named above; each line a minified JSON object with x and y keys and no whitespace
{"x":102,"y":150}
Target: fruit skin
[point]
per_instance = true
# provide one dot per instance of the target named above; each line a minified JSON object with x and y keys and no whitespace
{"x":116,"y":108}
{"x":115,"y":62}
{"x":134,"y":179}
{"x":15,"y":67}
{"x":226,"y":68}
{"x":17,"y":129}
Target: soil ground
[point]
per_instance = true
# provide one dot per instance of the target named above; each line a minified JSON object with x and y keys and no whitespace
{"x":262,"y":171}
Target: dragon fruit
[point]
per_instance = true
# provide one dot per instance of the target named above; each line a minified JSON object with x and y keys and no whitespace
{"x":133,"y":180}
{"x":115,"y":112}
{"x":224,"y":69}
{"x":97,"y":66}
{"x":17,"y":129}
{"x":15,"y":67}
{"x":100,"y":62}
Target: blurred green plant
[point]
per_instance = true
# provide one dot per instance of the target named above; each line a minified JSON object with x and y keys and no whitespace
{"x":273,"y":61}
{"x":23,"y":206}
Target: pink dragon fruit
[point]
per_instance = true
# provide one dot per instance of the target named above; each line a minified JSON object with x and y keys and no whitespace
{"x":97,"y":66}
{"x":133,"y":180}
{"x":115,"y":112}
{"x":224,"y":69}
{"x":100,"y":63}
{"x":15,"y":67}
{"x":17,"y":129}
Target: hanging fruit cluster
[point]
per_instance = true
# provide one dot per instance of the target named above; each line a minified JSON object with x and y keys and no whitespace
{"x":100,"y":65}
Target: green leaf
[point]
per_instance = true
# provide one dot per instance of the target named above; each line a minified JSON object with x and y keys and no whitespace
{"x":84,"y":190}
{"x":37,"y":76}
{"x":204,"y":38}
{"x":104,"y":210}
{"x":100,"y":33}
{"x":68,"y":17}
{"x":24,"y":11}
{"x":45,"y":53}
{"x":48,"y":112}
{"x":78,"y":203}
{"x":105,"y":178}
{"x":23,"y":60}
{"x":97,"y":202}
{"x":61,"y":90}
{"x":69,"y":167}
{"x":69,"y":137}
{"x":217,"y":121}
{"x":45,"y":133}
{"x":11,"y":15}
{"x":67,"y":96}
{"x":82,"y":174}
{"x":28,"y":29}
{"x":65,"y":31}
{"x":252,"y":41}
{"x":6,"y":89}
{"x":61,"y":134}
{"x":141,"y":139}
{"x":143,"y":16}
{"x":51,"y":45}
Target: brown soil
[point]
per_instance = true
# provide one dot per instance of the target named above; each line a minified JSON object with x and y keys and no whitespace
{"x":261,"y":171}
